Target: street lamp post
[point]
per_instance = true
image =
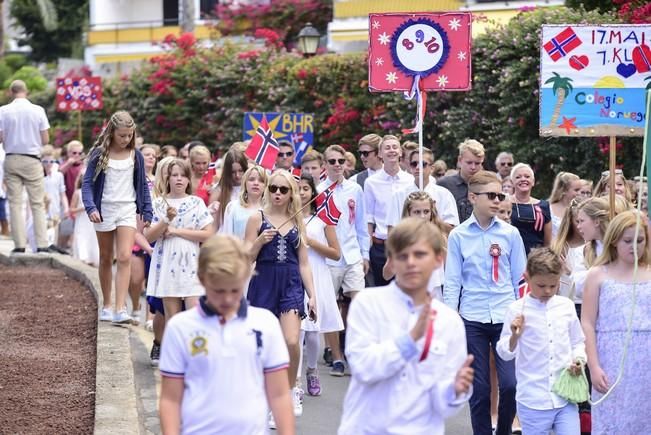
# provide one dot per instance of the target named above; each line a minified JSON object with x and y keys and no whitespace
{"x":308,"y":40}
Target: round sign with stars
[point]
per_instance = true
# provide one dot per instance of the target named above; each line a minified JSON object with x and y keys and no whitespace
{"x":419,"y":47}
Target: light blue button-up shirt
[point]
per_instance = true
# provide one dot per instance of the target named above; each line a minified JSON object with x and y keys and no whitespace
{"x":468,"y":270}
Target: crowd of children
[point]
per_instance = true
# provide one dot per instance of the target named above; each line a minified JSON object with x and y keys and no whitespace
{"x":537,"y":289}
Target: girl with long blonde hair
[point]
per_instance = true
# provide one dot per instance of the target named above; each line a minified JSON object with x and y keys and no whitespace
{"x":282,"y":273}
{"x":115,"y":193}
{"x":237,"y":212}
{"x":566,"y":187}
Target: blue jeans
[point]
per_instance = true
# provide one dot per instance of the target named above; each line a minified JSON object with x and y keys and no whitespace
{"x":480,"y":338}
{"x":378,"y":258}
{"x":564,"y":421}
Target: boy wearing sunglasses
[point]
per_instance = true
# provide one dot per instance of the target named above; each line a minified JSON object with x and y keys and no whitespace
{"x":485,"y":258}
{"x":368,"y":147}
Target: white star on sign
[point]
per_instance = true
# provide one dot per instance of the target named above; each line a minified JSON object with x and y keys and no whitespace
{"x":384,"y":38}
{"x":379,"y":61}
{"x":454,"y":24}
{"x":376,"y":24}
{"x":442,"y":81}
{"x":461,"y":55}
{"x":392,"y":77}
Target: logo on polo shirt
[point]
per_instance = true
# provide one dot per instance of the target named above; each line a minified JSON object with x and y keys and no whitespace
{"x":199,"y":345}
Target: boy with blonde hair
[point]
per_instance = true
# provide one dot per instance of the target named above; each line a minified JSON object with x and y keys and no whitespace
{"x":224,"y":363}
{"x":368,"y":148}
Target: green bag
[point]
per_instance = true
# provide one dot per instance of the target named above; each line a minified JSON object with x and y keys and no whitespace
{"x":572,"y":388}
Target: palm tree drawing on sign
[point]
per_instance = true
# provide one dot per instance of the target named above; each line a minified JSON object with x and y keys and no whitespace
{"x":648,"y":86}
{"x":561,"y":87}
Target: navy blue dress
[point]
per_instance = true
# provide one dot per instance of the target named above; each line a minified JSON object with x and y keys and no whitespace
{"x":276,"y":284}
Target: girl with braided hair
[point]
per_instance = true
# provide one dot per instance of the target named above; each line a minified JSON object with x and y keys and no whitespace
{"x":114,"y":193}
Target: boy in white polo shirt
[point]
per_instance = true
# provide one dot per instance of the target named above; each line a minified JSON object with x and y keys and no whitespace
{"x":224,"y":363}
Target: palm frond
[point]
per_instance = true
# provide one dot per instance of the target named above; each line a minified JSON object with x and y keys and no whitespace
{"x":48,"y":14}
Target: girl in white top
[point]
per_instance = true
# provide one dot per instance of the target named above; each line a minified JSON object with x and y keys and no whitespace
{"x":322,"y":243}
{"x":238,"y":211}
{"x":566,"y":187}
{"x":235,"y":164}
{"x":420,"y":205}
{"x":569,"y":245}
{"x":181,"y":222}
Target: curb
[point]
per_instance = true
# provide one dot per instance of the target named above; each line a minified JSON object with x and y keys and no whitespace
{"x":116,"y":407}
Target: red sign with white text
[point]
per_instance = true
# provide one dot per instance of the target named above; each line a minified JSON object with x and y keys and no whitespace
{"x":433,"y":46}
{"x":79,"y":93}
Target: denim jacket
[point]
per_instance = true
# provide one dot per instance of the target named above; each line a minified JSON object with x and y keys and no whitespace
{"x":91,"y":191}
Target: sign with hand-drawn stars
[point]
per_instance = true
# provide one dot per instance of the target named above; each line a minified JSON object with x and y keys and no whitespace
{"x":434,"y":46}
{"x":78,"y":93}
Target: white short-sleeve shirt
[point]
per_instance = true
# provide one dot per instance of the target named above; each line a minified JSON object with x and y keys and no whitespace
{"x":223,"y":367}
{"x":21,"y":123}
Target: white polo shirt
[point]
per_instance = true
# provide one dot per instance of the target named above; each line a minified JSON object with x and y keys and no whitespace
{"x":378,"y":190}
{"x":223,"y":368}
{"x":21,"y":124}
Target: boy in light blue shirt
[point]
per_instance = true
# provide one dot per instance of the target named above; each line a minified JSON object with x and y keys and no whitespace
{"x":485,"y":261}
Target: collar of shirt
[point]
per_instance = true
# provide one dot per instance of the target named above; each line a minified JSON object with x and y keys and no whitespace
{"x":387,"y":177}
{"x":206,"y":311}
{"x":458,"y":180}
{"x":472,"y":220}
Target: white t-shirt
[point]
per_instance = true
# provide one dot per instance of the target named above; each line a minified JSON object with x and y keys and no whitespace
{"x":21,"y":123}
{"x":223,"y":368}
{"x":54,"y":187}
{"x":2,"y":171}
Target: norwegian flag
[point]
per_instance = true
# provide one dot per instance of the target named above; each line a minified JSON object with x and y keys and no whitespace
{"x":263,"y":147}
{"x":205,"y":183}
{"x":323,"y":175}
{"x":562,"y":44}
{"x":296,"y":173}
{"x":326,"y":209}
{"x":523,"y":287}
{"x":300,"y":146}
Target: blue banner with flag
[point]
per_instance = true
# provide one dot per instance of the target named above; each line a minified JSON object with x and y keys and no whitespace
{"x":294,"y":128}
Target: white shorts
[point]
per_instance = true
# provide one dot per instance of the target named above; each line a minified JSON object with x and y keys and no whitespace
{"x":117,"y":214}
{"x":350,"y":277}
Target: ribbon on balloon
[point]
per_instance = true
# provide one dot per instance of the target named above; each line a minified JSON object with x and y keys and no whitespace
{"x":421,"y":104}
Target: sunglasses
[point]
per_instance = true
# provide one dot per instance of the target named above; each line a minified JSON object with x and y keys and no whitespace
{"x":366,"y":153}
{"x":607,"y":173}
{"x":75,"y":153}
{"x":48,"y":161}
{"x":335,"y":161}
{"x":287,"y":154}
{"x":415,"y":164}
{"x":492,"y":195}
{"x":283,"y":189}
{"x":506,"y":163}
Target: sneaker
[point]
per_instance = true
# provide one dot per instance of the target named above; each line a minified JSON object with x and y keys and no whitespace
{"x":106,"y":315}
{"x":48,"y":250}
{"x":313,"y":383}
{"x":154,"y":355}
{"x":122,"y":317}
{"x":135,"y":317}
{"x":296,"y":400}
{"x":149,"y":325}
{"x":17,"y":251}
{"x":55,"y":248}
{"x":327,"y":356}
{"x":337,"y":369}
{"x":272,"y":422}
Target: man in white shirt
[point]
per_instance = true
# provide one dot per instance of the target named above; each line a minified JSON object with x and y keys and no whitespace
{"x":347,"y":273}
{"x":24,"y":130}
{"x":377,"y":197}
{"x":543,"y":333}
{"x":409,"y":372}
{"x":446,"y":206}
{"x":368,"y":147}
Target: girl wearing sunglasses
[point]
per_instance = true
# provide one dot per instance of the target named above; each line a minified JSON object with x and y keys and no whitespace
{"x":282,"y":272}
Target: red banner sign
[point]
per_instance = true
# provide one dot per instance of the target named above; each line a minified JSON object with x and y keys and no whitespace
{"x":435,"y":47}
{"x":79,"y":93}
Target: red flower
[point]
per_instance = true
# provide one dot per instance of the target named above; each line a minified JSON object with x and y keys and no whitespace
{"x":301,"y":74}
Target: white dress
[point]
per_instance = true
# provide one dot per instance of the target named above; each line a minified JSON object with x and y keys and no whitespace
{"x":328,"y":316}
{"x":173,"y":271}
{"x":235,"y":219}
{"x":84,"y":239}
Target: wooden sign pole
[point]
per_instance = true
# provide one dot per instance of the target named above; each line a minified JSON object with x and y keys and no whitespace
{"x":79,"y":126}
{"x":611,"y":165}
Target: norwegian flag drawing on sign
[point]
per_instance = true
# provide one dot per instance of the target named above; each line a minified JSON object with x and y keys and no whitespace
{"x":263,"y":148}
{"x":562,"y":44}
{"x":433,"y":45}
{"x":326,"y":209}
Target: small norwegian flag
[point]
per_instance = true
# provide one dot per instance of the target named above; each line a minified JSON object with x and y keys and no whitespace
{"x":323,"y":175}
{"x":562,"y":44}
{"x":296,"y":173}
{"x":300,"y":146}
{"x":326,"y":209}
{"x":523,"y":287}
{"x":263,"y":147}
{"x":205,"y":183}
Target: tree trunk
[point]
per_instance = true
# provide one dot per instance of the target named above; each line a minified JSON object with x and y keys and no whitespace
{"x":187,"y":16}
{"x":557,"y":109}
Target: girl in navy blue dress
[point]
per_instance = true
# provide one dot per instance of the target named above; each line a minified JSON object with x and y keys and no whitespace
{"x":282,"y":273}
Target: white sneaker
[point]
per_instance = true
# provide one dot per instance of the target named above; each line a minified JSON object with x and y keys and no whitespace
{"x":149,"y":325}
{"x":106,"y":315}
{"x":122,"y":317}
{"x":296,"y":400}
{"x":135,"y":317}
{"x":272,"y":422}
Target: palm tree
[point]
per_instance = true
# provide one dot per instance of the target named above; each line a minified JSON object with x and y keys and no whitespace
{"x":561,"y":88}
{"x":48,"y":14}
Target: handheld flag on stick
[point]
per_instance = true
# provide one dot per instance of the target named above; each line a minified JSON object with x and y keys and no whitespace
{"x":326,"y":209}
{"x":296,"y":173}
{"x":263,"y":147}
{"x":205,"y":183}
